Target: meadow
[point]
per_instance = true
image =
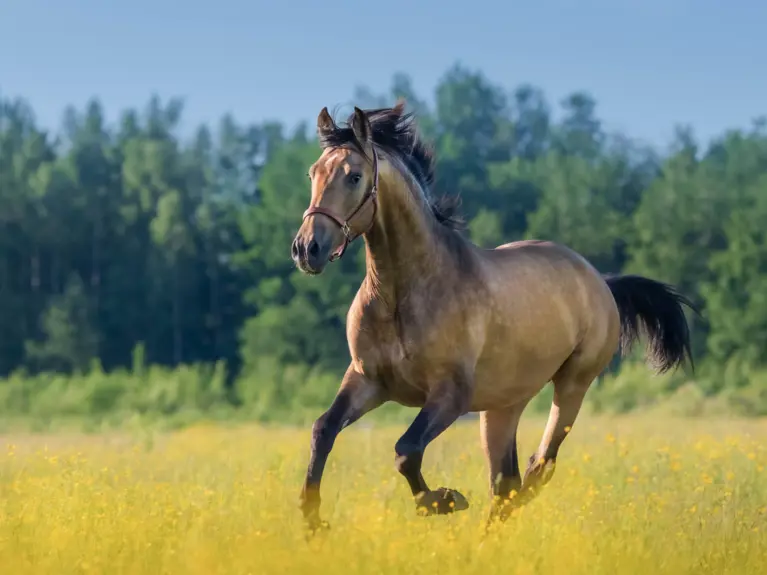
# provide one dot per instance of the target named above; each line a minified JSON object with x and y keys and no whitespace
{"x":631,"y":494}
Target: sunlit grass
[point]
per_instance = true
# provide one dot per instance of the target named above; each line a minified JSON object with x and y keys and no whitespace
{"x":634,"y":495}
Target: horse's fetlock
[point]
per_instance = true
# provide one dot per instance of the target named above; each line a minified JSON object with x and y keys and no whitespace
{"x":310,"y":497}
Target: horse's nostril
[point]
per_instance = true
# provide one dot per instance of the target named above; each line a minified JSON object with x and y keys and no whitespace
{"x":294,"y":249}
{"x":314,"y":249}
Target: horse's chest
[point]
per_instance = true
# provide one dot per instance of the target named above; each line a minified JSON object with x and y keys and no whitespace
{"x":391,"y":346}
{"x":398,"y":357}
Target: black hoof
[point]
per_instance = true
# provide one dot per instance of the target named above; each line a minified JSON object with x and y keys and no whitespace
{"x":440,"y":502}
{"x":316,"y":526}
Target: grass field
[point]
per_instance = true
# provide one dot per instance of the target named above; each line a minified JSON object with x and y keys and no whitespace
{"x":632,"y":495}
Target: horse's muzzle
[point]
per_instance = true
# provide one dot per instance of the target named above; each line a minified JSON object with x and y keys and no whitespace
{"x":310,"y":256}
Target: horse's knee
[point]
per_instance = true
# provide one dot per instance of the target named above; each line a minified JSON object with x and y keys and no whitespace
{"x":322,"y":434}
{"x":408,"y":458}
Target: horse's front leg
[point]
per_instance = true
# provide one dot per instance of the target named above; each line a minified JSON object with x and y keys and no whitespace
{"x":356,"y":396}
{"x":444,"y":404}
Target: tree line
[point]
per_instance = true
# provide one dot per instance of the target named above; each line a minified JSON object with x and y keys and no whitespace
{"x":119,"y":236}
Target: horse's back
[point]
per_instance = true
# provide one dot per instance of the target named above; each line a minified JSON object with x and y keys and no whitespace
{"x":546,"y":269}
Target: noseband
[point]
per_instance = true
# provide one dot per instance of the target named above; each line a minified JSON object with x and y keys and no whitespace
{"x":345,"y":224}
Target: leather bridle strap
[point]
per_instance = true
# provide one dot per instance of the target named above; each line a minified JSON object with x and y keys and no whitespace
{"x":345,"y":224}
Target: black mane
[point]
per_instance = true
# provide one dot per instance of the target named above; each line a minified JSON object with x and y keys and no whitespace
{"x":396,"y":134}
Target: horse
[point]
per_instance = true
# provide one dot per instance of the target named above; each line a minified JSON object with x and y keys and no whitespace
{"x":443,"y":325}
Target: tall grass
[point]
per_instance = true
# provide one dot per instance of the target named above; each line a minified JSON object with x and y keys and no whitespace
{"x":630,"y":495}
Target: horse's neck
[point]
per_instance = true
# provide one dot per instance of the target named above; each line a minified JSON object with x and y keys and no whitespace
{"x":402,"y":247}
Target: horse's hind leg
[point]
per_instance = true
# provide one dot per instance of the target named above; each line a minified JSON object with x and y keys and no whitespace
{"x":443,"y":406}
{"x":498,"y":432}
{"x":570,"y":387}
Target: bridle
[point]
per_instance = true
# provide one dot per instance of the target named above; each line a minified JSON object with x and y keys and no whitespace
{"x":344,"y":224}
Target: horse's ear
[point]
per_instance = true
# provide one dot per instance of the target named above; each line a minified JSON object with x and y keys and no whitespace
{"x":399,"y":106}
{"x":325,"y":123}
{"x":361,"y":127}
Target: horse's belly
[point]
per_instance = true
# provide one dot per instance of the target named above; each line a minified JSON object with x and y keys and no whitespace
{"x":506,"y":377}
{"x":498,"y":394}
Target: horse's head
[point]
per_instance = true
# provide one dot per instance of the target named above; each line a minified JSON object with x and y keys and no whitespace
{"x":344,"y":187}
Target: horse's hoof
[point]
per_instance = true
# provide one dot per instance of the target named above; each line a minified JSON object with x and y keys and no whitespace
{"x":440,"y":502}
{"x":316,"y":526}
{"x":499,"y":512}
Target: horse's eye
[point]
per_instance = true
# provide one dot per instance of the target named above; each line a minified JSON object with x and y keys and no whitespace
{"x":355,"y":178}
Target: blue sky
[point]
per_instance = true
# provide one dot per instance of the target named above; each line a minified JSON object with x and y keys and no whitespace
{"x":649,"y":63}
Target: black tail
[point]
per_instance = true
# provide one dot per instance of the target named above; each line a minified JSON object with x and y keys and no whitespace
{"x":655,"y":308}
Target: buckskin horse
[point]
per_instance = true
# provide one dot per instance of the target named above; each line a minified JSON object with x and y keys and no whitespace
{"x":443,"y":325}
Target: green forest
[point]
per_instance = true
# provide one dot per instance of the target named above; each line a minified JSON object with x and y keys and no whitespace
{"x":146,"y":274}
